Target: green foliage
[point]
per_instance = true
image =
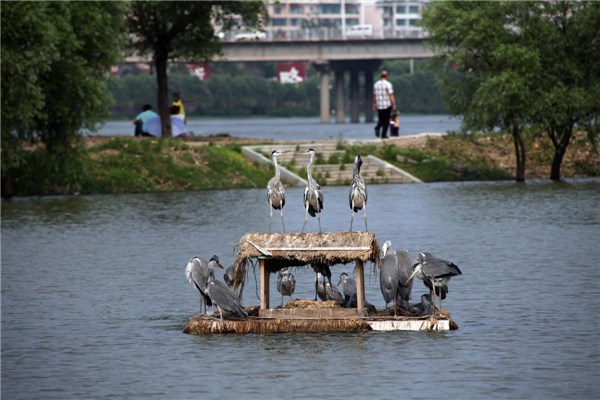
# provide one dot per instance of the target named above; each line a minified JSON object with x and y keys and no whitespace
{"x":55,"y":57}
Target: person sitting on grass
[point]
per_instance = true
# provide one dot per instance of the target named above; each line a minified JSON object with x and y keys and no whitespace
{"x":140,"y":121}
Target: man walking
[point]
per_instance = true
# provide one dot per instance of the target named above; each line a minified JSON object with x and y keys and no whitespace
{"x":383,"y":102}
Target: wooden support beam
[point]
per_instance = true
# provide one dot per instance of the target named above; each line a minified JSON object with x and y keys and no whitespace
{"x":264,"y":284}
{"x":360,"y":288}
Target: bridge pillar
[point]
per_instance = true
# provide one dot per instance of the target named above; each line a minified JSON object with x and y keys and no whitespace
{"x":325,"y":107}
{"x":369,"y":95}
{"x":339,"y":97}
{"x":354,"y":96}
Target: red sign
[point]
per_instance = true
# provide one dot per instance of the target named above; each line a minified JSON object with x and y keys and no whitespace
{"x":291,"y":72}
{"x":201,"y":70}
{"x":115,"y":70}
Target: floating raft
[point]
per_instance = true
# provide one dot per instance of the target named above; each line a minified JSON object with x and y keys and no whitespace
{"x":316,"y":320}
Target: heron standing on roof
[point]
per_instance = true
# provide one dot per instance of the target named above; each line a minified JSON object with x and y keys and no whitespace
{"x":358,"y":192}
{"x":221,"y":296}
{"x":435,"y":273}
{"x":286,"y":284}
{"x":313,"y":197}
{"x":197,"y":272}
{"x":275,"y":191}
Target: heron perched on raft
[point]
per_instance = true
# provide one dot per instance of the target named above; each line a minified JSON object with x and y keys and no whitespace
{"x":229,"y":275}
{"x":221,"y":296}
{"x":389,"y":275}
{"x":404,"y":271}
{"x":324,"y":270}
{"x":348,"y":286}
{"x":313,"y":197}
{"x":197,"y":273}
{"x":286,"y":284}
{"x":352,"y":302}
{"x":358,"y":192}
{"x":275,"y":191}
{"x":332,"y":293}
{"x":424,"y":307}
{"x":320,"y":287}
{"x":435,"y":273}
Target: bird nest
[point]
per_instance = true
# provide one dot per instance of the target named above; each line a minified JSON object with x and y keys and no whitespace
{"x":292,"y":250}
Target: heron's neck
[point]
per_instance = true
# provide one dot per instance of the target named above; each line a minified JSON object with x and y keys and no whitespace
{"x":356,"y":169}
{"x":276,"y":167}
{"x":309,"y":168}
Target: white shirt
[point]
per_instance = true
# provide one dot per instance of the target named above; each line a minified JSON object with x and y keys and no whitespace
{"x":382,"y":90}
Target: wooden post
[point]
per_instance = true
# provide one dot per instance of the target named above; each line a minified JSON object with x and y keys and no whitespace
{"x":360,"y":288}
{"x":264,"y":284}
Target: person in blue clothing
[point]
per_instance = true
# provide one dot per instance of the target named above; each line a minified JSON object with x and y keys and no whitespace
{"x":140,"y":121}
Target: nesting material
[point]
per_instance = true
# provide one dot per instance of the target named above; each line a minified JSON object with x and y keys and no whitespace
{"x":291,"y":250}
{"x":310,"y":304}
{"x":198,"y":325}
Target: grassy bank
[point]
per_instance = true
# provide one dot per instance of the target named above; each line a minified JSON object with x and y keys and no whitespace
{"x":129,"y":165}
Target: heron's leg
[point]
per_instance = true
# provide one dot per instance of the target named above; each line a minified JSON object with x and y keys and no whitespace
{"x":395,"y":306}
{"x":365,"y":213}
{"x":282,"y":218}
{"x":305,"y":219}
{"x":220,"y":313}
{"x":271,"y":209}
{"x":352,"y":220}
{"x":316,"y":285}
{"x":319,"y":218}
{"x":200,"y":304}
{"x":282,"y":300}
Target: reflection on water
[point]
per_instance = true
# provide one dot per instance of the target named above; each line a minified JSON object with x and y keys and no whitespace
{"x":94,"y":296}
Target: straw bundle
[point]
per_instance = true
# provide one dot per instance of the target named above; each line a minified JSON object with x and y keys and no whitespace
{"x":290,"y":249}
{"x":198,"y":326}
{"x":309,"y":304}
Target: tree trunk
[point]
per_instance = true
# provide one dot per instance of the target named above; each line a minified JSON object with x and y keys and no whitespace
{"x":7,"y":188}
{"x":519,"y":152}
{"x":163,"y":87}
{"x":560,"y":148}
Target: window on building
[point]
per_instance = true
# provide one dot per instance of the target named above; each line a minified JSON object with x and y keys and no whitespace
{"x":387,"y":23}
{"x":400,"y":22}
{"x":413,"y":9}
{"x":387,"y":11}
{"x":279,"y":21}
{"x":351,"y":9}
{"x":401,"y":10}
{"x":296,"y":21}
{"x":351,"y":21}
{"x":277,"y":10}
{"x":412,"y":22}
{"x":329,"y":9}
{"x":296,"y":9}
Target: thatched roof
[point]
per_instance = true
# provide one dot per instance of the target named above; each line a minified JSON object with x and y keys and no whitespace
{"x":292,"y":250}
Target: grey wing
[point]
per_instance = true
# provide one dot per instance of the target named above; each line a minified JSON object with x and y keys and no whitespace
{"x":404,"y":265}
{"x":365,"y":186}
{"x":320,"y":194}
{"x":229,"y":275}
{"x":350,"y":286}
{"x":224,"y":297}
{"x":350,"y":195}
{"x":293,"y":281}
{"x":279,"y":278}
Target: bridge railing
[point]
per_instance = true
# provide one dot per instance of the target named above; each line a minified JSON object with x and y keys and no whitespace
{"x":319,"y":34}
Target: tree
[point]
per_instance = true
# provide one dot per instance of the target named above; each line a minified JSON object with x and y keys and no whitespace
{"x":511,"y":64}
{"x":486,"y":73}
{"x":184,"y":30}
{"x":570,"y":77}
{"x":55,"y":57}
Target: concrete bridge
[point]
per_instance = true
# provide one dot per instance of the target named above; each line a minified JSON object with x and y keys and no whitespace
{"x":337,"y":56}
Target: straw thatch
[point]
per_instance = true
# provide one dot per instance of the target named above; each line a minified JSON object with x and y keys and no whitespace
{"x":309,"y":304}
{"x":198,"y":326}
{"x":292,"y":250}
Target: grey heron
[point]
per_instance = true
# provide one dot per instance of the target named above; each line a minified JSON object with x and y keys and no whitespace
{"x":352,"y":302}
{"x":313,"y":197}
{"x":275,"y":190}
{"x":286,"y":284}
{"x":222,"y":296}
{"x":404,"y":271}
{"x":229,"y":275}
{"x":324,"y":270}
{"x":332,"y":293}
{"x":435,"y":273}
{"x":197,"y":273}
{"x":348,"y":286}
{"x":358,"y":192}
{"x":424,"y":307}
{"x":320,"y":287}
{"x":389,"y":275}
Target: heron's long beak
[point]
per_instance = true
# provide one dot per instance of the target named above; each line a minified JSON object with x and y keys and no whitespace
{"x":338,"y":284}
{"x":410,"y":277}
{"x":220,"y":266}
{"x":287,"y":151}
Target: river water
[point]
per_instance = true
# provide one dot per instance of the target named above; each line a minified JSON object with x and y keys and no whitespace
{"x":94,"y":297}
{"x":295,"y":129}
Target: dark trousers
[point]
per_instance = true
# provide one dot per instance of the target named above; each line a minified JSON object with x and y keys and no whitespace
{"x":138,"y":129}
{"x":383,"y":122}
